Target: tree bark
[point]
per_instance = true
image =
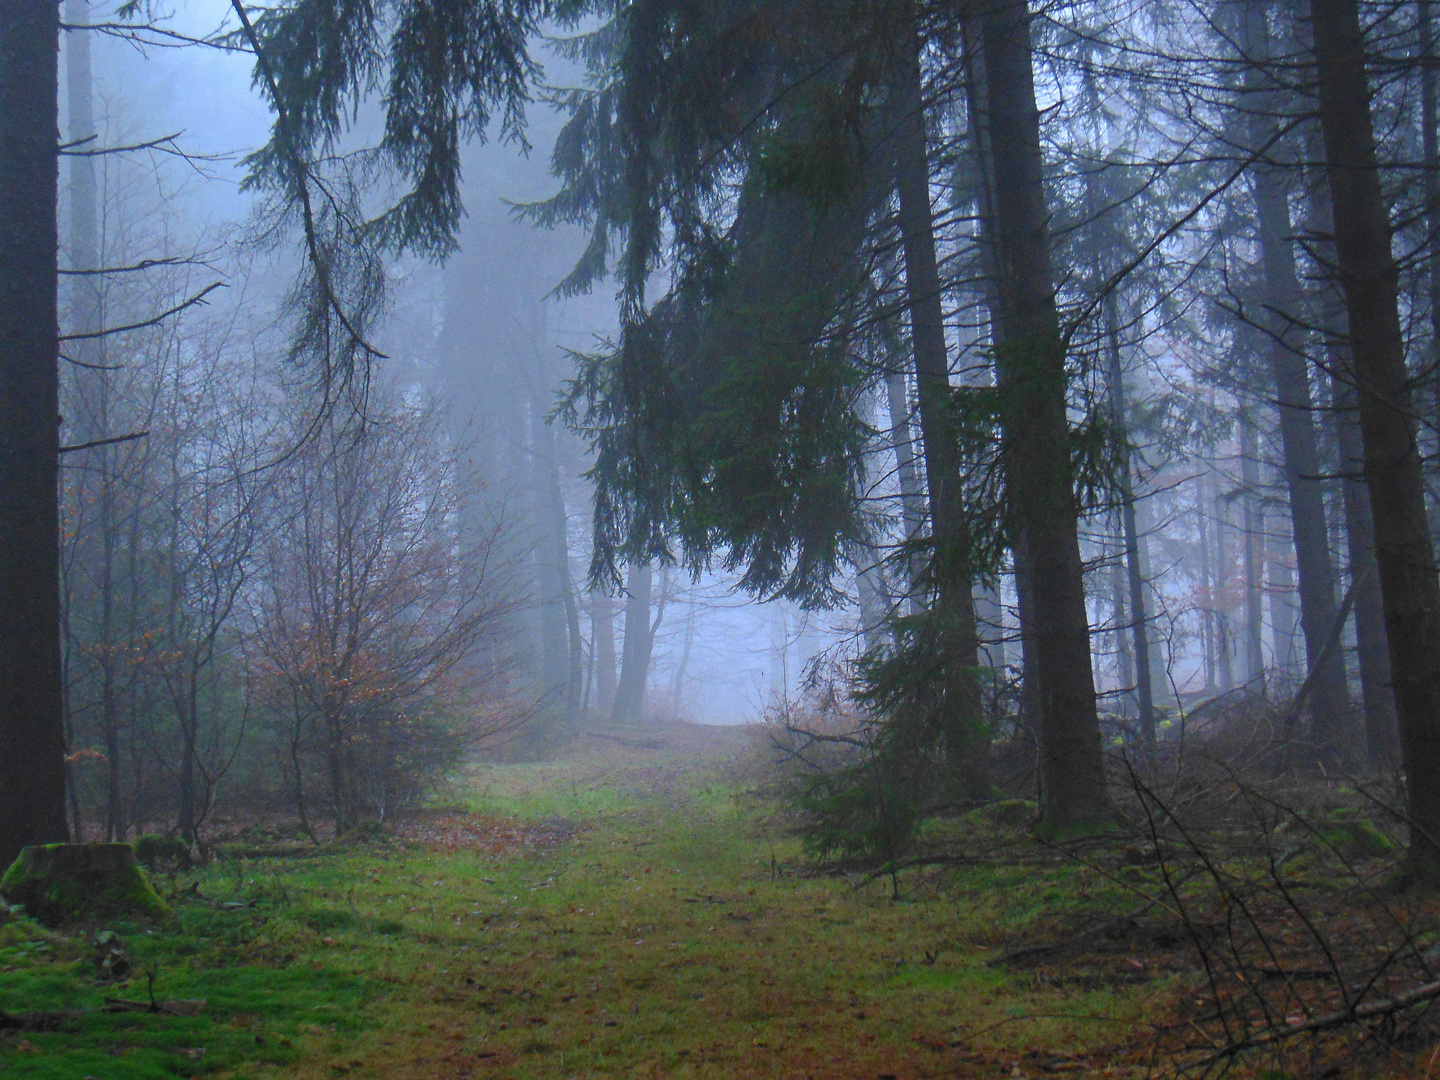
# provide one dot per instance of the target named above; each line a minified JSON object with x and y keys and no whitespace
{"x":1382,"y":738}
{"x":635,"y":650}
{"x":912,"y":501}
{"x":1409,"y":587}
{"x":1031,"y":369}
{"x":1288,"y":370}
{"x":1254,"y":546}
{"x":560,"y":558}
{"x":951,"y":573}
{"x":1430,"y":170}
{"x":32,"y":727}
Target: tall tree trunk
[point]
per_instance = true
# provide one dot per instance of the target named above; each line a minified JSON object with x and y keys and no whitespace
{"x":912,"y":500}
{"x":1207,"y":585}
{"x":1409,"y":587}
{"x":1382,"y":738}
{"x":1284,"y":617}
{"x":1430,"y":165}
{"x":1284,"y":306}
{"x":677,"y":689}
{"x":982,"y":178}
{"x":1107,"y":245}
{"x":1251,"y":526}
{"x":602,"y":632}
{"x":560,"y":558}
{"x":1031,"y":369}
{"x":1139,"y":624}
{"x":1124,"y":656}
{"x":635,"y":652}
{"x":94,"y":382}
{"x":966,"y":741}
{"x":1224,"y":646}
{"x":550,"y":583}
{"x":32,"y":725}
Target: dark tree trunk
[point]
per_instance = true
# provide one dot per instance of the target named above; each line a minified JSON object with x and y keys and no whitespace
{"x":1031,"y":368}
{"x":1288,"y":369}
{"x":966,"y":743}
{"x":1409,"y":588}
{"x":550,"y":583}
{"x":560,"y":559}
{"x":1030,"y":705}
{"x":1382,"y":738}
{"x":1430,"y":170}
{"x":1207,"y":584}
{"x":635,"y":650}
{"x":912,"y":501}
{"x":1254,"y":561}
{"x":32,"y":726}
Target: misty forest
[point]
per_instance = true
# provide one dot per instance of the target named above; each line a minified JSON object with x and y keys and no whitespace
{"x":741,"y":538}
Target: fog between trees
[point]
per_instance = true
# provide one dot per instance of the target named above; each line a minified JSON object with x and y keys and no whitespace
{"x":1029,"y":384}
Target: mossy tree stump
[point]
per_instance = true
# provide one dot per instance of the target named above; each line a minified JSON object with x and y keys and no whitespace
{"x":58,"y":883}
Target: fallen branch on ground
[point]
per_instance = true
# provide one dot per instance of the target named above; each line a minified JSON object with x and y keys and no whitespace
{"x":1331,"y":1020}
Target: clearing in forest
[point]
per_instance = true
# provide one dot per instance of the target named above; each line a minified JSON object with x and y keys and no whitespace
{"x":632,"y":909}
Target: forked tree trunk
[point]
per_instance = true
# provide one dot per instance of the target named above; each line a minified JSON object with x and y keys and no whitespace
{"x":32,"y":726}
{"x":1031,"y":369}
{"x":1403,"y":553}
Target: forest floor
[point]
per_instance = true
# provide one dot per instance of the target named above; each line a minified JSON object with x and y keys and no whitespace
{"x":627,"y":910}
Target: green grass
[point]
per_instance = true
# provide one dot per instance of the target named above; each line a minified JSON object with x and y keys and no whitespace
{"x":675,"y":933}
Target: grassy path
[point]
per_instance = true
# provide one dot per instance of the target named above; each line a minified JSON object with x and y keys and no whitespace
{"x":626,"y":913}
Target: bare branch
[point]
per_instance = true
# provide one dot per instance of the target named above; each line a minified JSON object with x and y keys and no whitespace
{"x":198,"y":298}
{"x":91,"y":367}
{"x":143,"y":264}
{"x":104,"y":442}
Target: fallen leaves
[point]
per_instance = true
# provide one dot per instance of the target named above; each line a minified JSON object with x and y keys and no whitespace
{"x":451,"y":832}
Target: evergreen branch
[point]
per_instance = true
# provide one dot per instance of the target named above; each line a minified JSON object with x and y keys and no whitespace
{"x":301,"y":189}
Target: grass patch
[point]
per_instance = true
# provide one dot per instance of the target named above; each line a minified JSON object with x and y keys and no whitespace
{"x":675,"y":932}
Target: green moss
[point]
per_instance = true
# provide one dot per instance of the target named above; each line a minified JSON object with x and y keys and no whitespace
{"x":59,"y":883}
{"x":1359,"y":839}
{"x":1009,"y":813}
